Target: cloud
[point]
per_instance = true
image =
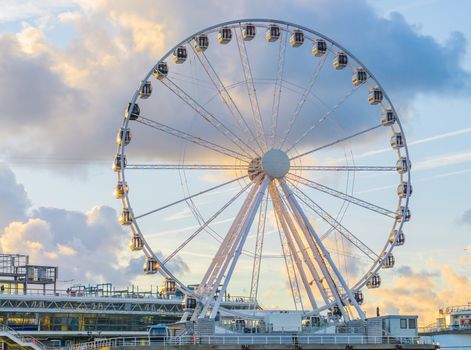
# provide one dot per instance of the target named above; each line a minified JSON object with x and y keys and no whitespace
{"x":86,"y":246}
{"x":420,"y":292}
{"x":79,"y":90}
{"x":466,"y":217}
{"x":14,"y":200}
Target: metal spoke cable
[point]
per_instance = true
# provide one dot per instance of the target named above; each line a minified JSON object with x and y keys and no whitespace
{"x":210,"y":118}
{"x":257,"y":260}
{"x":205,"y":224}
{"x":336,"y":142}
{"x":244,"y":58}
{"x":278,"y":85}
{"x":342,"y":168}
{"x":290,"y":270}
{"x":185,"y":167}
{"x":303,"y":98}
{"x":194,"y":139}
{"x":342,"y":195}
{"x":192,"y":196}
{"x":324,"y":117}
{"x":337,"y":226}
{"x":225,"y":95}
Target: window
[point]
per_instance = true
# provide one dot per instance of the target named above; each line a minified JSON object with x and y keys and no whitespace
{"x":412,"y":324}
{"x":404,"y":323}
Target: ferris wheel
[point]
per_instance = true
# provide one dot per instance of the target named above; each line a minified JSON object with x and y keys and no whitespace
{"x":288,"y":123}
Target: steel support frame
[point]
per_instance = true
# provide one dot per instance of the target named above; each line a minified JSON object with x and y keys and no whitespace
{"x":311,"y":233}
{"x":292,"y":247}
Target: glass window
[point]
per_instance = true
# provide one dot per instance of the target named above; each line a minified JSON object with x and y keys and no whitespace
{"x":412,"y":324}
{"x":403,"y":323}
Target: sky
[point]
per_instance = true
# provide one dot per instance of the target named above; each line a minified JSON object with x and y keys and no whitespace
{"x":69,"y":68}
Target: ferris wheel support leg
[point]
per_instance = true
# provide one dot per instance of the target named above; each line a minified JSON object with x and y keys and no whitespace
{"x":301,"y":219}
{"x":246,"y":228}
{"x":292,"y":247}
{"x":225,"y":245}
{"x":297,"y":209}
{"x":228,"y":242}
{"x":307,"y":259}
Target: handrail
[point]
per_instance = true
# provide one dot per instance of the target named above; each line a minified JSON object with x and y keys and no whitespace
{"x":243,"y":339}
{"x":22,"y":338}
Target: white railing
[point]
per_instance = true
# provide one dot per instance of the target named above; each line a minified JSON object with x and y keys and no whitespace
{"x":284,"y":339}
{"x":21,"y":338}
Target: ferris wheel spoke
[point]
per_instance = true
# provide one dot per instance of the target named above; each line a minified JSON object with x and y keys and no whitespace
{"x":342,"y":195}
{"x":304,"y":97}
{"x":257,"y":259}
{"x":185,"y":167}
{"x":336,"y":225}
{"x":210,"y":118}
{"x":257,"y":116}
{"x":343,"y":139}
{"x":290,"y":233}
{"x":193,"y":139}
{"x":324,"y":117}
{"x":342,"y":168}
{"x":190,"y":197}
{"x":205,"y":224}
{"x":226,"y":96}
{"x":330,"y":271}
{"x":278,"y":85}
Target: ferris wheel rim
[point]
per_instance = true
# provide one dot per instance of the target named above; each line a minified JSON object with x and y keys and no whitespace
{"x":388,"y":248}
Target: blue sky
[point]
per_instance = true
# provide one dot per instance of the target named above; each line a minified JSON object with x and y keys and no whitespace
{"x":71,"y":67}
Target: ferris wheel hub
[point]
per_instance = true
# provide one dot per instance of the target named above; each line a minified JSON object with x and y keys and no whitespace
{"x":275,"y":163}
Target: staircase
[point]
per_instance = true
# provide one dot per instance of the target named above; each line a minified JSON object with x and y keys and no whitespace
{"x":26,"y":342}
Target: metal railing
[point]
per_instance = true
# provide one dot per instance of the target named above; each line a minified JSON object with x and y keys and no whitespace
{"x":285,"y":339}
{"x":22,"y":338}
{"x":436,"y":329}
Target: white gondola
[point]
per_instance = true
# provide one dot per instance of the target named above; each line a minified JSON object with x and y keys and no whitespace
{"x":145,"y":89}
{"x":248,"y":31}
{"x":375,"y":96}
{"x":358,"y":295}
{"x":151,"y":266}
{"x":201,"y":43}
{"x":297,"y":38}
{"x":121,"y":189}
{"x":388,"y":261}
{"x":388,"y":118}
{"x":189,"y":303}
{"x":397,"y":141}
{"x":374,"y":281}
{"x":118,"y":164}
{"x":403,"y":214}
{"x":123,"y":135}
{"x":180,"y":54}
{"x":161,"y":71}
{"x":136,"y":243}
{"x":401,"y":238}
{"x":341,"y":60}
{"x":403,"y":165}
{"x":273,"y":33}
{"x":169,"y":286}
{"x":396,"y":238}
{"x":134,"y":114}
{"x":320,"y":48}
{"x":224,"y":35}
{"x":359,"y":77}
{"x":125,"y":217}
{"x":404,"y":189}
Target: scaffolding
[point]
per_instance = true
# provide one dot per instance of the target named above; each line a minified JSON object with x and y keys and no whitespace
{"x":17,"y":275}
